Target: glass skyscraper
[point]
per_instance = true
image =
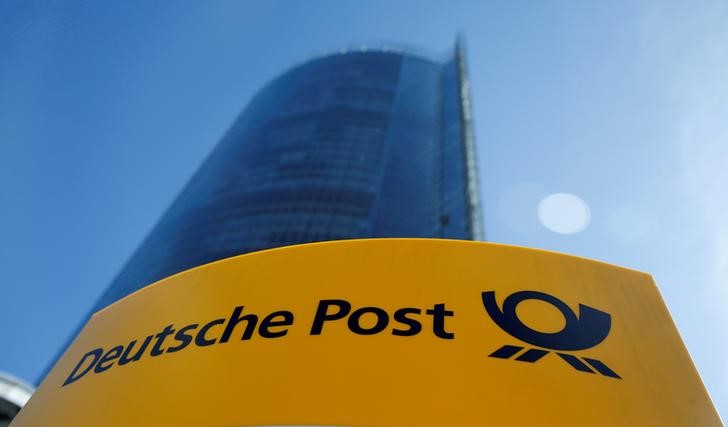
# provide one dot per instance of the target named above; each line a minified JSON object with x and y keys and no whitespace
{"x":351,"y":145}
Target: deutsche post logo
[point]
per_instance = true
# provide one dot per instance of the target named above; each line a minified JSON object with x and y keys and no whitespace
{"x":580,"y":333}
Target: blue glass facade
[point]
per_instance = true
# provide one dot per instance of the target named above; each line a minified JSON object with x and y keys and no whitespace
{"x":360,"y":144}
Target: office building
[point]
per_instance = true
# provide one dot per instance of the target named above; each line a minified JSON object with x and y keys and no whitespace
{"x":351,"y":145}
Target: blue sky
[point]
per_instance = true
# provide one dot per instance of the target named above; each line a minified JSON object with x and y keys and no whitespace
{"x":107,"y":108}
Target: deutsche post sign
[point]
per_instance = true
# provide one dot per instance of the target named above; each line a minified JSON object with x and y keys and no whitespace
{"x":390,"y":333}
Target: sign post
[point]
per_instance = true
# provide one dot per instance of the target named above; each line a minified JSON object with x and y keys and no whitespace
{"x":383,"y":332}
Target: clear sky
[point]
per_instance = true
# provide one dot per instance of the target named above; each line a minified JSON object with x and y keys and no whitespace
{"x":107,"y":108}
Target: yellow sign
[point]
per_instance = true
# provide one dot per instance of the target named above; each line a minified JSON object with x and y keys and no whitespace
{"x":389,"y":333}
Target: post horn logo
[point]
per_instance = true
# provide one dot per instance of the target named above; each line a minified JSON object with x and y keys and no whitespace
{"x":580,"y":333}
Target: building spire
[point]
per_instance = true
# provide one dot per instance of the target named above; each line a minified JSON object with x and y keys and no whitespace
{"x":477,"y":231}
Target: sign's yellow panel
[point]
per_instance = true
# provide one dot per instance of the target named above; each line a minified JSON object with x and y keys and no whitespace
{"x":386,"y":333}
